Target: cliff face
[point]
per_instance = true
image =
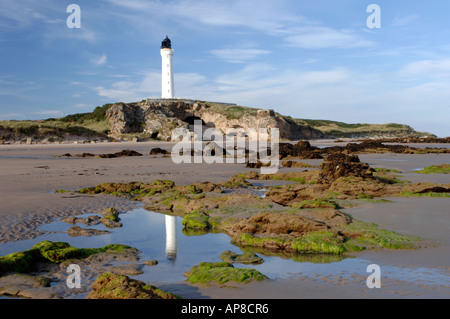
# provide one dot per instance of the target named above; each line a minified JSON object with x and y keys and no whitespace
{"x":160,"y":118}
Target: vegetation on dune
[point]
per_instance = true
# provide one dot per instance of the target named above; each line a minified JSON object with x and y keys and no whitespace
{"x":340,"y":129}
{"x":92,"y":124}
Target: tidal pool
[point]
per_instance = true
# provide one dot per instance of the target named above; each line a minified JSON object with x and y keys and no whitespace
{"x":161,"y":237}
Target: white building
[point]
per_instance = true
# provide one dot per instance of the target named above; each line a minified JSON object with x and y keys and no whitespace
{"x":167,"y":84}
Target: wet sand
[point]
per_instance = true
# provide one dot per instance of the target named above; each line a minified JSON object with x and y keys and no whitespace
{"x":31,"y":173}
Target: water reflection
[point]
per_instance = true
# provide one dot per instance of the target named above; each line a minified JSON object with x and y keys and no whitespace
{"x":171,"y":237}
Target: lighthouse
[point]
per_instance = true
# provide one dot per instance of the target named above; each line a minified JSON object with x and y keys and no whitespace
{"x":167,"y":85}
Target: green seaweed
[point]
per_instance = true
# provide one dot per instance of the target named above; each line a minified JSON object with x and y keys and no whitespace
{"x":435,"y":169}
{"x":369,"y":235}
{"x":317,"y":203}
{"x":53,"y":252}
{"x":427,"y":194}
{"x":320,"y":242}
{"x":196,"y":220}
{"x":222,"y":273}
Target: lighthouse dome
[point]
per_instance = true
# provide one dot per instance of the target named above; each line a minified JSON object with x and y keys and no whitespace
{"x":166,"y":44}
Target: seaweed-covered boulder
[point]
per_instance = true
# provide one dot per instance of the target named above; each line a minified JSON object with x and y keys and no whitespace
{"x":302,"y":149}
{"x":207,"y":273}
{"x":341,"y":165}
{"x":77,"y":231}
{"x":112,"y":286}
{"x":111,"y":218}
{"x":52,"y":252}
{"x":196,"y":220}
{"x":158,"y":151}
{"x":245,"y":258}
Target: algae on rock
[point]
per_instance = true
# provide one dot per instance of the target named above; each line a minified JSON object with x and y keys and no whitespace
{"x":222,"y":273}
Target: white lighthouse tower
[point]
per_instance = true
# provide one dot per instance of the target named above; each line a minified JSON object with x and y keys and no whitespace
{"x":167,"y":85}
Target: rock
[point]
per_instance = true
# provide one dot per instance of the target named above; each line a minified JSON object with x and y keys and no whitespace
{"x":77,"y":231}
{"x":151,"y":262}
{"x":110,"y":223}
{"x":196,"y":220}
{"x":89,"y":221}
{"x":111,"y":214}
{"x":111,"y":218}
{"x":245,"y":258}
{"x":340,"y":165}
{"x":270,"y":224}
{"x":125,"y":153}
{"x":222,"y":273}
{"x":159,"y":119}
{"x":112,"y":286}
{"x":302,"y":149}
{"x":26,"y":286}
{"x":435,"y":189}
{"x":127,"y":269}
{"x":85,"y":155}
{"x":158,"y":151}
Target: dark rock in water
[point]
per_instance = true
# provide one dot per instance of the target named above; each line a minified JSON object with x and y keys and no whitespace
{"x":245,"y":258}
{"x":127,"y":153}
{"x":91,"y":220}
{"x":77,"y":231}
{"x":258,"y":164}
{"x":123,"y":153}
{"x":113,"y":286}
{"x":107,"y":156}
{"x":341,"y":165}
{"x":158,"y":151}
{"x":26,"y":286}
{"x":302,"y":149}
{"x":85,"y":155}
{"x":436,"y":189}
{"x":152,"y":262}
{"x":110,"y":223}
{"x":111,"y":218}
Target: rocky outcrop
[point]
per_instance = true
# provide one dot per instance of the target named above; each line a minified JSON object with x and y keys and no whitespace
{"x":341,"y":165}
{"x":158,"y":119}
{"x":114,"y":286}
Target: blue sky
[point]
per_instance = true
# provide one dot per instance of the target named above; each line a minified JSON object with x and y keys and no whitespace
{"x":307,"y":59}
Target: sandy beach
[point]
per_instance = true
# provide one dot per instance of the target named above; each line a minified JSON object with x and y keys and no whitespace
{"x":30,"y":174}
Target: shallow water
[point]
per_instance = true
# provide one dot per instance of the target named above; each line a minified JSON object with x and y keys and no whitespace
{"x":161,"y":237}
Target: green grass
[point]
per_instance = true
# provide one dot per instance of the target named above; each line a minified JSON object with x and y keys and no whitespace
{"x":435,"y":169}
{"x":232,"y":111}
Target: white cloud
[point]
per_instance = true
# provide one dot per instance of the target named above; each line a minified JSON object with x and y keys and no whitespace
{"x":401,"y":21}
{"x":429,"y":68}
{"x":268,"y":16}
{"x":320,"y":37}
{"x":238,"y":55}
{"x":99,"y":60}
